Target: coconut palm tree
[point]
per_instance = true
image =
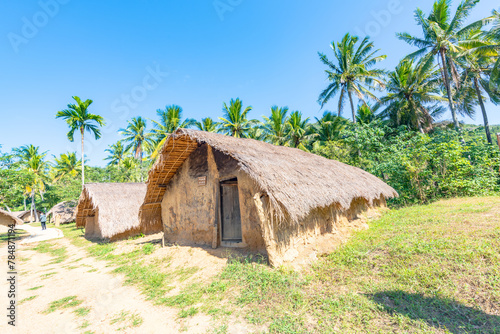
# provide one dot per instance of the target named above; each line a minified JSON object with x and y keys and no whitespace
{"x":298,"y":131}
{"x":444,"y":38}
{"x":365,"y":114}
{"x":116,"y":152}
{"x":170,"y":120}
{"x":353,"y":72}
{"x":137,"y":137}
{"x":33,"y":161}
{"x":413,"y":95}
{"x":235,"y":122}
{"x":491,"y":48}
{"x":78,"y":117}
{"x":66,"y":164}
{"x":275,"y":125}
{"x":477,"y":69}
{"x":207,"y":124}
{"x":329,"y":127}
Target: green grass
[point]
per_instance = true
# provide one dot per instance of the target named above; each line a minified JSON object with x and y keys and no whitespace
{"x":27,"y":299}
{"x":18,"y":234}
{"x":153,"y":283}
{"x":126,"y":319}
{"x":58,"y":253}
{"x":101,"y":250}
{"x":422,"y":269}
{"x":48,"y":275}
{"x":82,"y":311}
{"x":66,"y":302}
{"x":148,"y":249}
{"x":188,"y":312}
{"x":36,"y":287}
{"x":84,"y":325}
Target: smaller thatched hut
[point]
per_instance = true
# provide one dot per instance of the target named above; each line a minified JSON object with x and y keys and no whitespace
{"x":109,"y":211}
{"x":26,"y":216}
{"x":8,"y":218}
{"x":63,"y":213}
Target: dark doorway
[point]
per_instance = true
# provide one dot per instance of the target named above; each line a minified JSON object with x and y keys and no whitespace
{"x":230,"y":211}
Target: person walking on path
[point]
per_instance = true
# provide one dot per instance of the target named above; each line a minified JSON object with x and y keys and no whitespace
{"x":43,"y":220}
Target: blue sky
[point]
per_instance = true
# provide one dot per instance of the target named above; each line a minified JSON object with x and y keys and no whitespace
{"x":134,"y":57}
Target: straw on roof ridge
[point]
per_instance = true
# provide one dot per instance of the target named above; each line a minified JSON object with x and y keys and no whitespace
{"x":117,"y":205}
{"x":295,"y":181}
{"x":66,"y":210}
{"x":7,"y":218}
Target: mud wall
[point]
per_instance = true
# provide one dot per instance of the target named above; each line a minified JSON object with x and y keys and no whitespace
{"x":190,"y":212}
{"x":316,"y":233}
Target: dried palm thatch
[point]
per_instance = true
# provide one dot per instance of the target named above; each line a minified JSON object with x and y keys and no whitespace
{"x":295,"y":181}
{"x":64,"y":212}
{"x":7,"y":218}
{"x":26,"y":217}
{"x":116,"y":206}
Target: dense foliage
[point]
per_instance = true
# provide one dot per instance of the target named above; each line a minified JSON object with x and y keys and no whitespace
{"x":421,"y":167}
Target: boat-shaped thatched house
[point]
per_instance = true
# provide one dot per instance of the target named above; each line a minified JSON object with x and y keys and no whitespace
{"x":206,"y":188}
{"x":9,"y":218}
{"x":109,"y":211}
{"x":62,"y":213}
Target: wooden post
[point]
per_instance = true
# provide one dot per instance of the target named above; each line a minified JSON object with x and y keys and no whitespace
{"x":498,"y":140}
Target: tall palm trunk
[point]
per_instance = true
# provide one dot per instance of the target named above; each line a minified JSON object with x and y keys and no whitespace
{"x":33,"y":208}
{"x":352,"y":107}
{"x":138,"y":152}
{"x":483,"y":109}
{"x":83,"y":155}
{"x":448,"y":90}
{"x":354,"y":119}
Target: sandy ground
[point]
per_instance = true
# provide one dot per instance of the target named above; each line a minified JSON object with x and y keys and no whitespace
{"x":37,"y":234}
{"x":92,"y":282}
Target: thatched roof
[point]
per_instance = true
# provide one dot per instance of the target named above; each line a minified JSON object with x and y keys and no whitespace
{"x":295,"y":181}
{"x":8,"y":218}
{"x":24,"y":214}
{"x":65,"y":210}
{"x":18,"y":213}
{"x":115,"y":204}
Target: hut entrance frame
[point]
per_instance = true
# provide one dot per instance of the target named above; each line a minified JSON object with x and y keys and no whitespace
{"x":231,"y":233}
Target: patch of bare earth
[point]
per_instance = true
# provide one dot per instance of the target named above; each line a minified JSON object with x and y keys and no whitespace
{"x":102,"y":292}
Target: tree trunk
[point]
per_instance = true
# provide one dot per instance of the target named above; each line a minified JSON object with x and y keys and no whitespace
{"x":483,"y":109}
{"x":352,"y":107}
{"x":83,"y":157}
{"x":24,"y":200}
{"x":420,"y":128}
{"x":32,"y":211}
{"x":354,"y":120}
{"x":448,"y":90}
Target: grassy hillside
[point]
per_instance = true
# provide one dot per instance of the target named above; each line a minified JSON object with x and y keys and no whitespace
{"x":433,"y":268}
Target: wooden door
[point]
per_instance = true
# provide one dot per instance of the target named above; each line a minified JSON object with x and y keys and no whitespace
{"x":230,"y":211}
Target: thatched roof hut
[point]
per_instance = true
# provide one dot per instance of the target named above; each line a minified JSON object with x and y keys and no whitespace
{"x":8,"y":218}
{"x":63,"y":213}
{"x":110,"y":210}
{"x":279,"y":191}
{"x":26,"y":216}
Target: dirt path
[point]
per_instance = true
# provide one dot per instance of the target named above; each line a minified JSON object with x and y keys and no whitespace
{"x":37,"y":234}
{"x":91,"y":282}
